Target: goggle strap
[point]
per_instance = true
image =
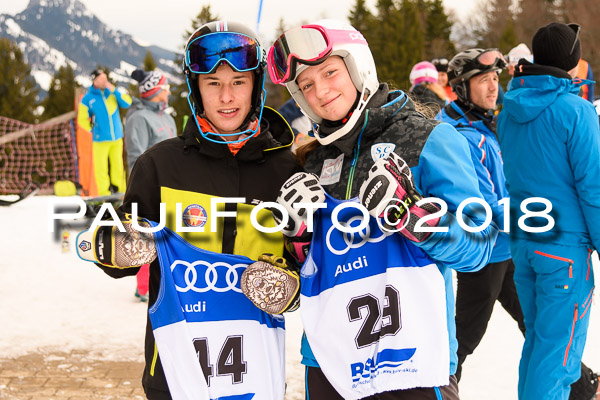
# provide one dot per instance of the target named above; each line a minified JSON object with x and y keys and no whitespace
{"x":332,"y":37}
{"x":337,"y":36}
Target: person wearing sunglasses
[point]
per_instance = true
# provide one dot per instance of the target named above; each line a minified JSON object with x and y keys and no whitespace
{"x":550,"y":143}
{"x":377,"y":302}
{"x":204,"y":338}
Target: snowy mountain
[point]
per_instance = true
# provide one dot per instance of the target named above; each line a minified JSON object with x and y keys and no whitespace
{"x":52,"y":33}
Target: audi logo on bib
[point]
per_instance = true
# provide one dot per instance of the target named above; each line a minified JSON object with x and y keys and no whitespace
{"x":352,"y":240}
{"x":201,"y":276}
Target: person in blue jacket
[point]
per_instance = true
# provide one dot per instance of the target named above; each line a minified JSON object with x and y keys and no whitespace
{"x":363,"y":129}
{"x":550,"y":143}
{"x":98,"y":113}
{"x":473,"y":76}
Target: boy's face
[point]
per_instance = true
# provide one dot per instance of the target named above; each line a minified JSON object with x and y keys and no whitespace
{"x":226,"y":97}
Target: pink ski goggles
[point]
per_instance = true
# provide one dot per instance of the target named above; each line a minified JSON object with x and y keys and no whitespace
{"x":308,"y":44}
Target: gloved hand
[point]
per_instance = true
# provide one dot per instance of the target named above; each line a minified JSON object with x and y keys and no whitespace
{"x":389,"y":181}
{"x":301,"y":187}
{"x":271,"y":285}
{"x":109,"y":246}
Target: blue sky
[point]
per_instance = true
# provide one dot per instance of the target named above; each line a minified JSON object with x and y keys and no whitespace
{"x":164,"y":23}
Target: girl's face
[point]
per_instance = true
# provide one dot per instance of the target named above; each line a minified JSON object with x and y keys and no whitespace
{"x":328,"y":89}
{"x":442,"y":79}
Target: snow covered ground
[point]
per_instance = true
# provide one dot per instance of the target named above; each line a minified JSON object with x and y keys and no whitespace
{"x":50,"y":300}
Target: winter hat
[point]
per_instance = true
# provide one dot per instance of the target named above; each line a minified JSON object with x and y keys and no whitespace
{"x":423,"y":72}
{"x":557,"y":45}
{"x":96,"y":73}
{"x":441,"y":64}
{"x":517,"y":53}
{"x":149,"y":83}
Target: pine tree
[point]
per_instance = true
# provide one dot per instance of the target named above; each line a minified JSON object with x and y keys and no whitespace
{"x":61,"y":94}
{"x":412,"y":39}
{"x":385,"y":36}
{"x":437,"y":32}
{"x":360,"y":17}
{"x":179,"y":93}
{"x":535,"y":14}
{"x":149,"y":64}
{"x":17,"y":86}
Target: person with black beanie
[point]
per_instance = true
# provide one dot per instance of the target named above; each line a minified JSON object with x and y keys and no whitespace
{"x":550,"y":143}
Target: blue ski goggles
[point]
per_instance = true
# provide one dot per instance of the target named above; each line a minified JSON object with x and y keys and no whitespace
{"x":206,"y":52}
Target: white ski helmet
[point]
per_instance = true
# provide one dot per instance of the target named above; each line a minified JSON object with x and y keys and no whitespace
{"x":361,"y":66}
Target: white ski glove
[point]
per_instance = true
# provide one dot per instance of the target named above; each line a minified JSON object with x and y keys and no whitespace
{"x":301,"y":187}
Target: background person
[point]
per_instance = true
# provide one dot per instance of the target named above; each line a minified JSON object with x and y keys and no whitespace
{"x":474,"y":78}
{"x":521,"y":51}
{"x":98,"y":113}
{"x":425,"y":89}
{"x":299,"y":122}
{"x":550,"y":143}
{"x":584,"y":71}
{"x":441,"y":64}
{"x":146,"y":124}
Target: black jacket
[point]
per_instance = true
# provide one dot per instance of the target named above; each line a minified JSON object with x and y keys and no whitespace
{"x":190,"y":170}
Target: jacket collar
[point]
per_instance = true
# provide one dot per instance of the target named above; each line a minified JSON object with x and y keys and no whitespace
{"x":525,"y":68}
{"x":459,"y":118}
{"x":381,"y":110}
{"x":274,"y":133}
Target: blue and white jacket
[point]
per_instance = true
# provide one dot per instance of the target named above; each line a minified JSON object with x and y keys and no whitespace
{"x":487,"y":160}
{"x":98,"y":113}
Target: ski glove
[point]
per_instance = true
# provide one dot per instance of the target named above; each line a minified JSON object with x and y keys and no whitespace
{"x":301,"y":187}
{"x":387,"y":193}
{"x":110,"y":247}
{"x":271,"y":284}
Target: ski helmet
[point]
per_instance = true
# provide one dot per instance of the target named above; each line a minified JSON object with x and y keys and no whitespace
{"x":214,"y":44}
{"x":423,"y":72}
{"x":357,"y":57}
{"x":468,"y":64}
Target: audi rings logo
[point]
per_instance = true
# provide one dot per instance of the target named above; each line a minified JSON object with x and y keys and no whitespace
{"x":350,"y":238}
{"x":201,"y":276}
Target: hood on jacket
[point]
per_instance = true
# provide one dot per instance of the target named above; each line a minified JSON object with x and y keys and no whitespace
{"x":534,"y":88}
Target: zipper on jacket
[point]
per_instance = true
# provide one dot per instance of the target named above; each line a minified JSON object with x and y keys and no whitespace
{"x":586,"y":304}
{"x":567,"y":260}
{"x":154,"y":359}
{"x":571,"y":338}
{"x":355,"y":158}
{"x":110,"y":121}
{"x":587,"y":277}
